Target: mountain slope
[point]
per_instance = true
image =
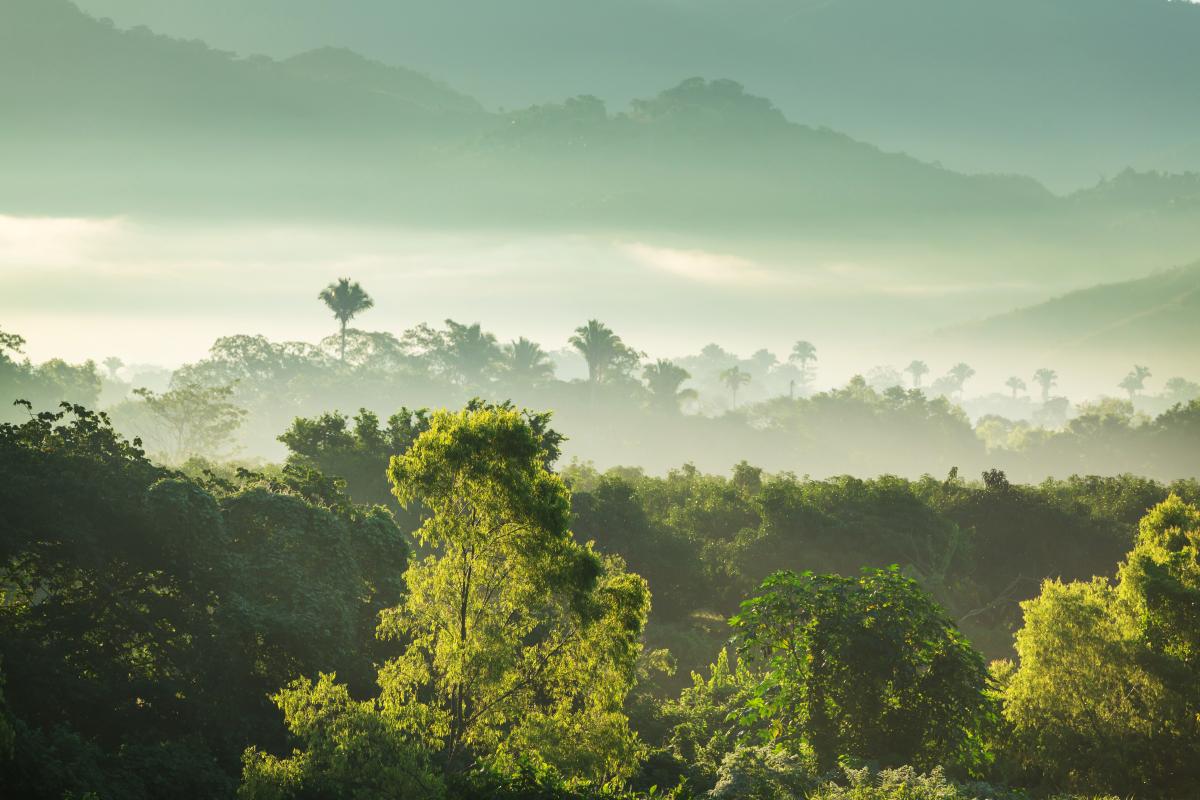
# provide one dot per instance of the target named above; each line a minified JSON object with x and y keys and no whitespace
{"x":1157,"y":316}
{"x":165,"y":124}
{"x":1065,"y":90}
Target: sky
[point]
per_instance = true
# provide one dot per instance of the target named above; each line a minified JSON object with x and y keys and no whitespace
{"x":152,"y":293}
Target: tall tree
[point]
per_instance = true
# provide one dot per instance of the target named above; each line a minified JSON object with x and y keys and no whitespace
{"x":1016,"y":384}
{"x":664,"y":380}
{"x":1135,"y":381}
{"x":471,"y":352}
{"x":346,"y":299}
{"x":803,"y":353}
{"x":606,"y":355}
{"x":526,"y":363}
{"x":735,"y":378}
{"x":192,"y":420}
{"x":918,"y":370}
{"x":960,"y":373}
{"x":1105,"y":695}
{"x":112,"y":364}
{"x":1047,"y":379}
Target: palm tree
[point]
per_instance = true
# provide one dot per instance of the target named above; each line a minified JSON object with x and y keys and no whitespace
{"x":470,"y":350}
{"x":663,"y":379}
{"x":735,"y":378}
{"x":961,"y":373}
{"x":605,"y":353}
{"x":526,"y":362}
{"x":803,"y":352}
{"x":918,"y":370}
{"x":1047,"y":379}
{"x":346,"y":299}
{"x":1016,"y":384}
{"x":1135,"y":381}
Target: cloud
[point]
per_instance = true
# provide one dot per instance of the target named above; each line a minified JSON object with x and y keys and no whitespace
{"x":699,"y":265}
{"x":52,"y":241}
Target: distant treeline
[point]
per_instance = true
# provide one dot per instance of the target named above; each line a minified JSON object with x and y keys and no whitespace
{"x":712,"y":409}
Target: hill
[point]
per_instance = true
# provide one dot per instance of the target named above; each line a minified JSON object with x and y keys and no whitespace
{"x":1065,"y":90}
{"x":1153,"y":320}
{"x":105,"y":121}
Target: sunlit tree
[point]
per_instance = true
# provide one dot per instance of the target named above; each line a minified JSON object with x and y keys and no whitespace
{"x":1105,"y":695}
{"x":346,"y":299}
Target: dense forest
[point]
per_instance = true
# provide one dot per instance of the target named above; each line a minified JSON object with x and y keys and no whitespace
{"x":732,"y":400}
{"x":435,"y":603}
{"x":434,"y":609}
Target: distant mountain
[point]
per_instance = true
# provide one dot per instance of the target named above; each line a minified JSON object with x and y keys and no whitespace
{"x":99,"y":120}
{"x":1065,"y":90}
{"x":1156,"y":318}
{"x":66,"y":77}
{"x":170,"y":125}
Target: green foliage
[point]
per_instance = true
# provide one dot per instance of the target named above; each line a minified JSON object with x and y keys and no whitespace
{"x":906,"y":783}
{"x":345,"y":749}
{"x":43,"y":385}
{"x":191,"y":420}
{"x":762,"y":773}
{"x":868,"y":668}
{"x":519,"y":640}
{"x":1105,"y":694}
{"x":608,"y":357}
{"x":144,"y":622}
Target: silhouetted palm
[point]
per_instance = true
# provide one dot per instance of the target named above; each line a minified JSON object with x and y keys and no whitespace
{"x":603,"y":350}
{"x":918,"y":370}
{"x":961,"y":373}
{"x":1016,"y":384}
{"x":803,"y":352}
{"x":1047,"y":379}
{"x":527,"y":363}
{"x":735,"y":378}
{"x":112,"y":364}
{"x":1135,"y":381}
{"x":346,"y":299}
{"x":471,"y":351}
{"x":663,"y":379}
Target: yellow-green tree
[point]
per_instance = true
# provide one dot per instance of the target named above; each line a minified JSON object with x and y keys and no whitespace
{"x":1107,"y":692}
{"x":517,"y":643}
{"x":519,"y":639}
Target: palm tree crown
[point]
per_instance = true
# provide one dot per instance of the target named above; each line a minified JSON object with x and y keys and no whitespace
{"x":346,"y":299}
{"x":735,"y":378}
{"x":604,"y":351}
{"x":803,"y":352}
{"x":1045,"y":378}
{"x":527,"y":362}
{"x":918,"y":370}
{"x":663,"y":379}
